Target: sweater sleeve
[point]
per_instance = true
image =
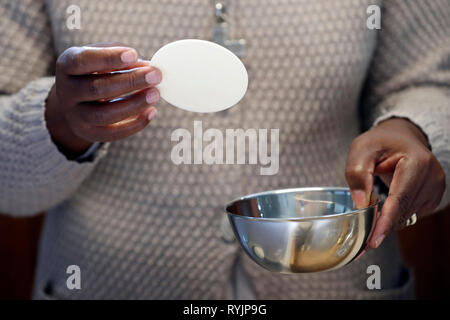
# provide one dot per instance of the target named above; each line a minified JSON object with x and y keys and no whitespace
{"x":410,"y":73}
{"x":34,"y":175}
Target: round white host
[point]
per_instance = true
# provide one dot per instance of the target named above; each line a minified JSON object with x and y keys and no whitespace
{"x":200,"y":76}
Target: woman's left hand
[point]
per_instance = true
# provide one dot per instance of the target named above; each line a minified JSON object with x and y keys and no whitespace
{"x":396,"y":151}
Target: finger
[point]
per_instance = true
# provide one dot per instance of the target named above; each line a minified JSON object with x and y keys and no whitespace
{"x":386,"y":178}
{"x":107,"y":44}
{"x":140,"y":62}
{"x":103,"y":113}
{"x":405,"y":185}
{"x":361,"y":254}
{"x":123,"y":129}
{"x":359,"y":170}
{"x":385,"y":168}
{"x":87,"y":60}
{"x":108,"y":86}
{"x":434,"y":190}
{"x":426,"y":208}
{"x":429,"y":197}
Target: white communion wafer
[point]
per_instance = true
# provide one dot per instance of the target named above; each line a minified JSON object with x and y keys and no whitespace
{"x":200,"y":76}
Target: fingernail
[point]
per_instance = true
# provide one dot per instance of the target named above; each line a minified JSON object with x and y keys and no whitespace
{"x":360,"y":255}
{"x":152,"y":114}
{"x":359,"y":197}
{"x":379,"y":240}
{"x":147,"y":62}
{"x":152,"y":96}
{"x":129,"y":56}
{"x":153,"y":77}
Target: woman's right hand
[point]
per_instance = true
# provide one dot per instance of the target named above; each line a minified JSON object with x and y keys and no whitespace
{"x":82,"y":107}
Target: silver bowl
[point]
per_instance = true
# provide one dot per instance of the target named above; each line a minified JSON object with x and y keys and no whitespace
{"x":302,"y":230}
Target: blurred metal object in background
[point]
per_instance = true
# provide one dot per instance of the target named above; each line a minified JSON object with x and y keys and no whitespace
{"x":220,"y":31}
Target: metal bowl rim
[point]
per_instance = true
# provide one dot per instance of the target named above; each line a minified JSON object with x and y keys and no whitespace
{"x":289,"y":190}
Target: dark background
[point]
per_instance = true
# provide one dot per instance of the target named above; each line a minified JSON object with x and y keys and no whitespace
{"x":425,"y":247}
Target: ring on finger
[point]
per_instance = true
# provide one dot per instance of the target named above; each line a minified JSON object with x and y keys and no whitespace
{"x":411,"y":220}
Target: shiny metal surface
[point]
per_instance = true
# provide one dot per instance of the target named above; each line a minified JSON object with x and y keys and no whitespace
{"x":411,"y":220}
{"x":302,"y":230}
{"x":220,"y":31}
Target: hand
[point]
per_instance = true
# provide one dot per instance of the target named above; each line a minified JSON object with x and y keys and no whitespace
{"x":396,"y":151}
{"x":81,"y":107}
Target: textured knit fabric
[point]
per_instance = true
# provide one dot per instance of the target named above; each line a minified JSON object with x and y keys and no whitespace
{"x":142,"y":227}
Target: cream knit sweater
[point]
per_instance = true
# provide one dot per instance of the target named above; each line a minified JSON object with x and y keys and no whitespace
{"x":140,"y":226}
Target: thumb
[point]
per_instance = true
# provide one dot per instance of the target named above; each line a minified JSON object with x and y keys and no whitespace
{"x":359,"y":173}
